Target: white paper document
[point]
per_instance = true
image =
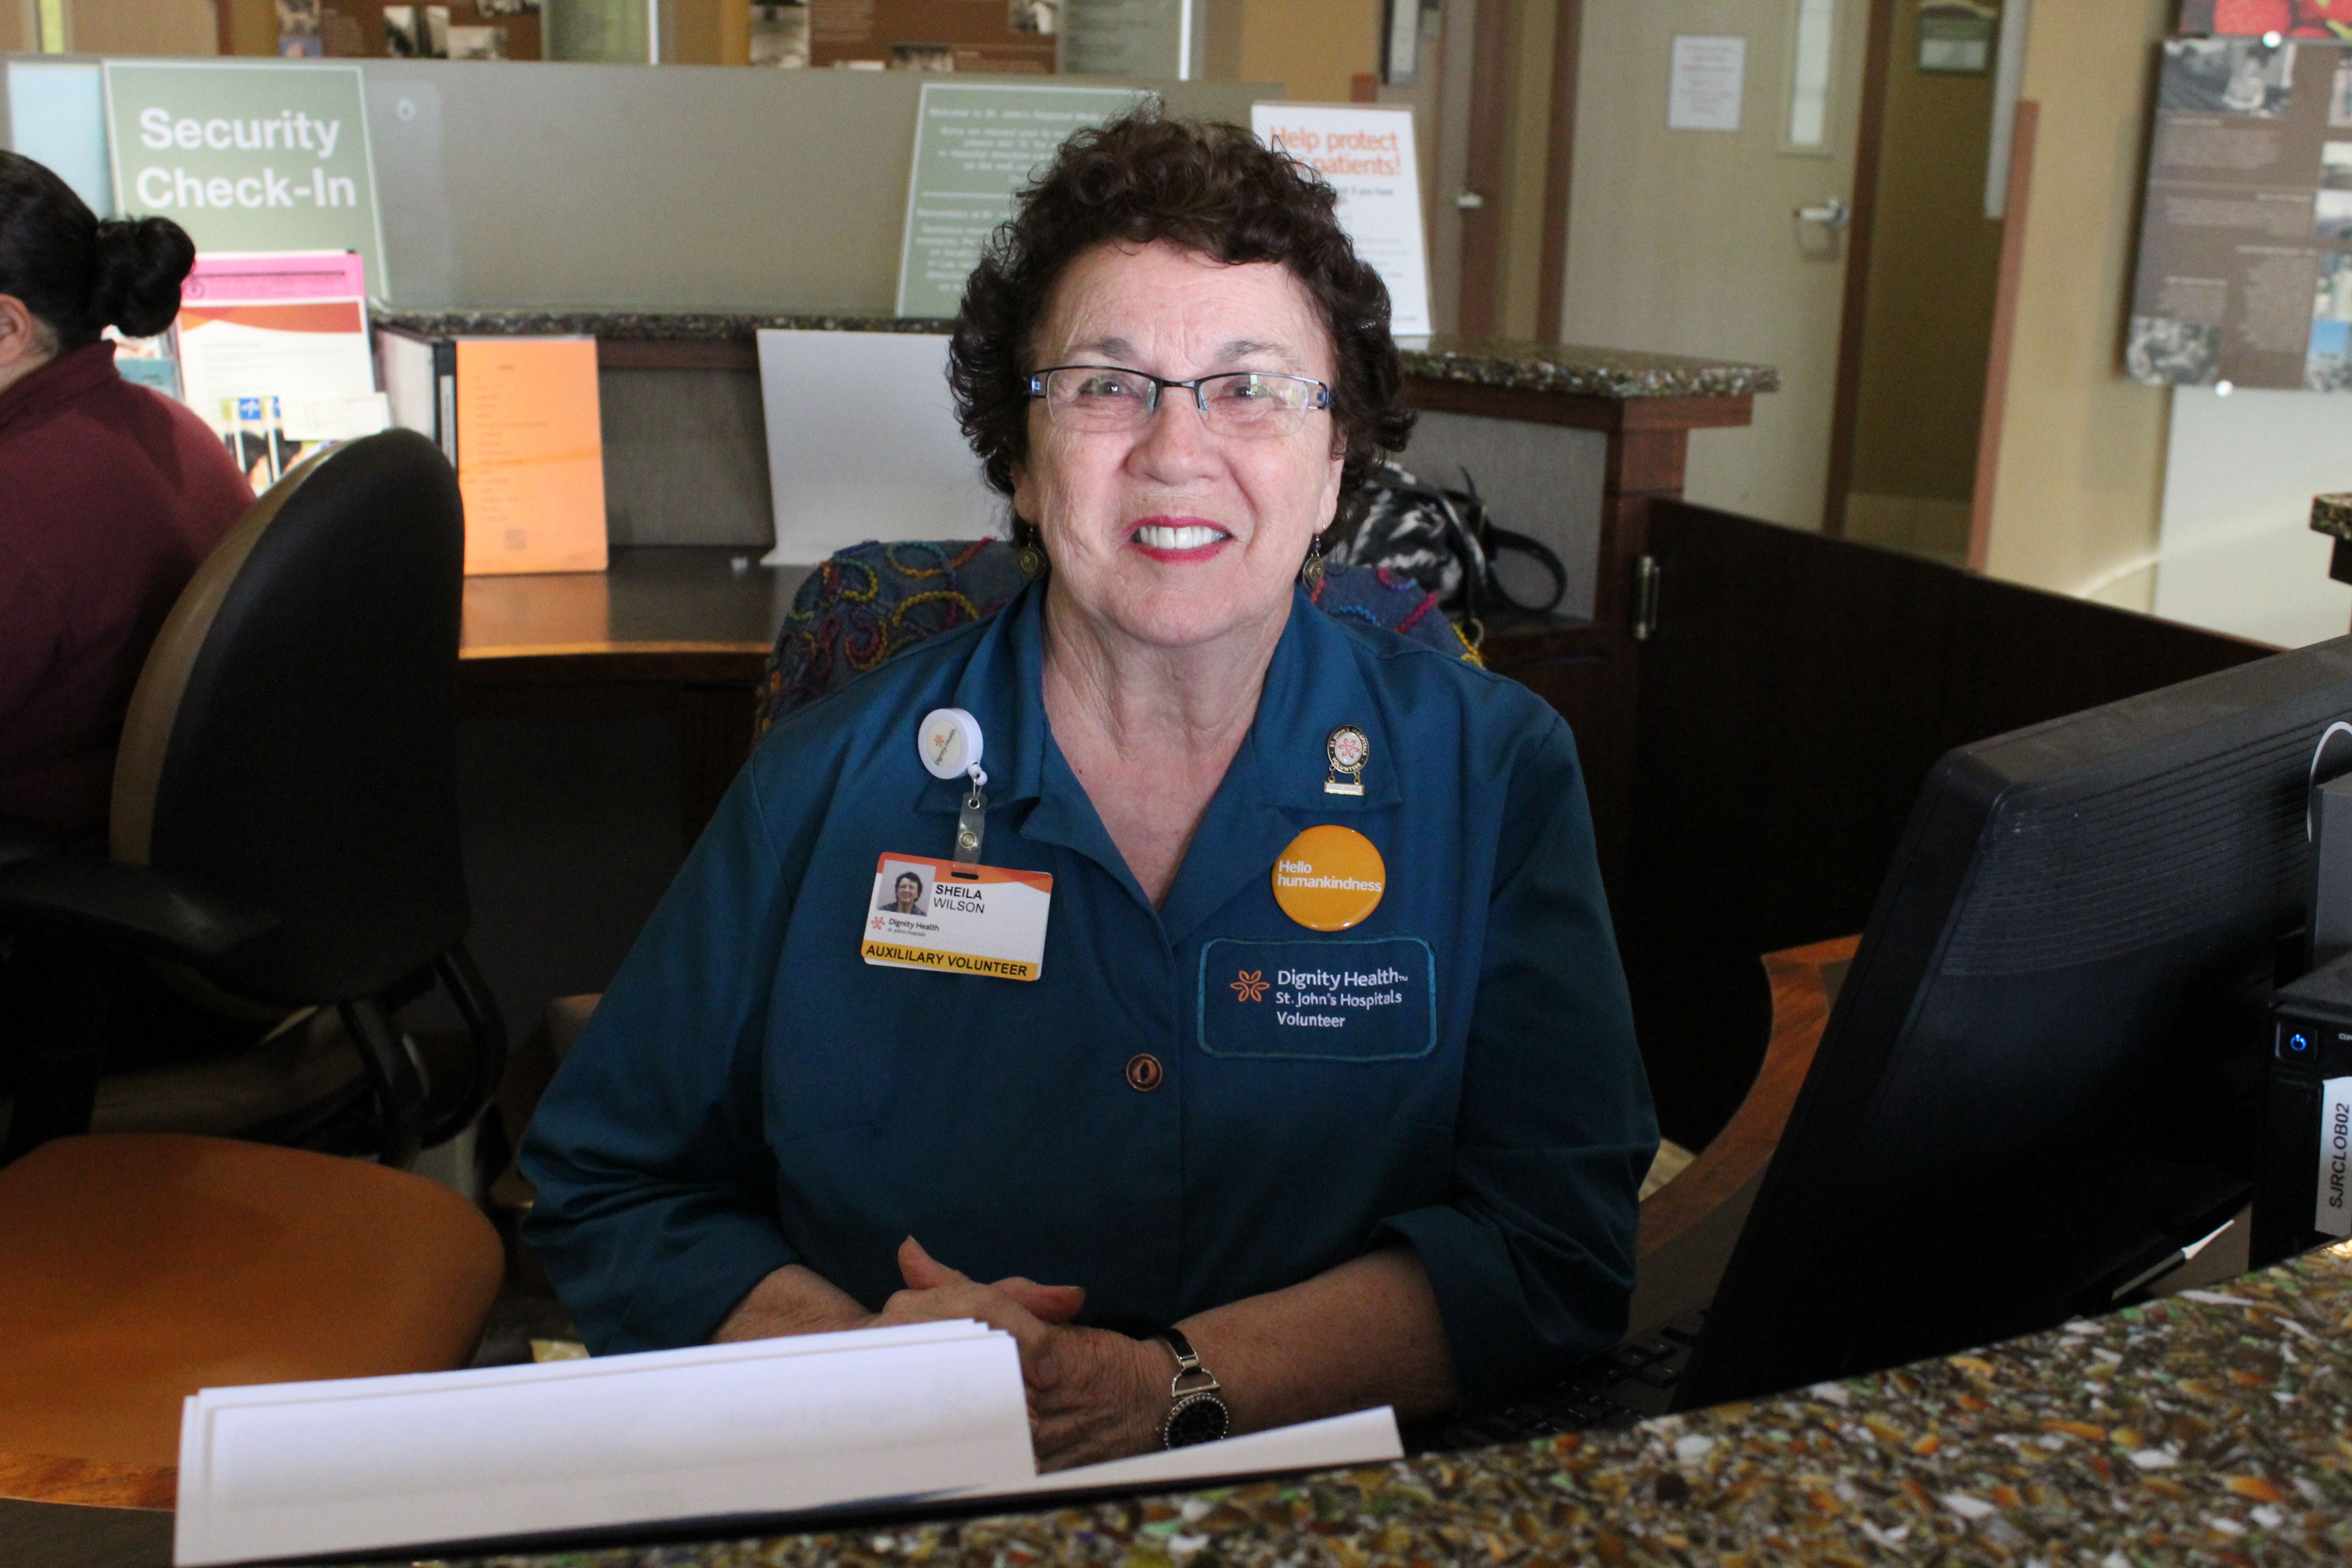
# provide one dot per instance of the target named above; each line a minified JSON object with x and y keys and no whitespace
{"x":1703,"y":91}
{"x":772,"y":1427}
{"x":741,"y":1431}
{"x":862,"y":444}
{"x":1366,"y":1437}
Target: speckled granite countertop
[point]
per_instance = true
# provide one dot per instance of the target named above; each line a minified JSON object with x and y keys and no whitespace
{"x":1621,"y":373}
{"x":2212,"y":1428}
{"x":2332,"y":514}
{"x":668,"y":326}
{"x":1594,"y":372}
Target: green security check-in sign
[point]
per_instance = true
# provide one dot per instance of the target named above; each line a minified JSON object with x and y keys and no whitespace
{"x":247,"y":157}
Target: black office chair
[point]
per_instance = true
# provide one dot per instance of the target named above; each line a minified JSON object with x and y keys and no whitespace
{"x":284,"y":830}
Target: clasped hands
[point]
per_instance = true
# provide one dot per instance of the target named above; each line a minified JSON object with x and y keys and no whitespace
{"x":1093,"y":1395}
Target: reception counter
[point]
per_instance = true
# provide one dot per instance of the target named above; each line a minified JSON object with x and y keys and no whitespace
{"x":2206,"y":1427}
{"x":2200,"y":1429}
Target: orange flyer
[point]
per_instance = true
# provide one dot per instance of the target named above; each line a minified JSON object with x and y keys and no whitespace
{"x":530,"y":455}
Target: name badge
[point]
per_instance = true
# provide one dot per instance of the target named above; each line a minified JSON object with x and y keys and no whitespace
{"x":958,"y":919}
{"x":1356,"y":1001}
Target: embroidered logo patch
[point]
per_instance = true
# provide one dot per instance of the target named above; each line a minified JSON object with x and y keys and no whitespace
{"x":1371,"y":1000}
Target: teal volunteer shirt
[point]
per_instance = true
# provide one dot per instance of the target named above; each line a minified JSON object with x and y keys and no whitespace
{"x":752,"y":1093}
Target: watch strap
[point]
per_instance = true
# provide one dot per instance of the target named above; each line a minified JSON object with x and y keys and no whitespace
{"x":1195,"y":1414}
{"x":1191,"y":1377}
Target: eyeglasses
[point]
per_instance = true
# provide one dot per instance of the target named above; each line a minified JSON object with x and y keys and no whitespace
{"x":1245,"y":402}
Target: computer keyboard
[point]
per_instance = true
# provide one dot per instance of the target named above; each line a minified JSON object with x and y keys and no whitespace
{"x":1630,"y":1383}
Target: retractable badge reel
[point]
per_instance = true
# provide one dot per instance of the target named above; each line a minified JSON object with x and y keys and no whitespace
{"x":951,"y":743}
{"x":957,"y":916}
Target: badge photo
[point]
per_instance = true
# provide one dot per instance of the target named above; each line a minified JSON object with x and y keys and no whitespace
{"x":957,"y":919}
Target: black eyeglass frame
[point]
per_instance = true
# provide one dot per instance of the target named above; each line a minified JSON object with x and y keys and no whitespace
{"x":1200,"y":397}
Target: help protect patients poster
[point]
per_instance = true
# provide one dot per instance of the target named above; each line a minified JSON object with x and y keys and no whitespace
{"x":1366,"y":156}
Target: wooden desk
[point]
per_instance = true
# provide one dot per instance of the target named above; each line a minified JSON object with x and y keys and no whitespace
{"x":1690,"y":1226}
{"x":684,"y":631}
{"x":686,"y":628}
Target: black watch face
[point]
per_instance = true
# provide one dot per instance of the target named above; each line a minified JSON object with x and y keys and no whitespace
{"x":1199,"y":1418}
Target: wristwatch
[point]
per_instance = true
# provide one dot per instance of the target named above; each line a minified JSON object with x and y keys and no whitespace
{"x":1198,"y":1416}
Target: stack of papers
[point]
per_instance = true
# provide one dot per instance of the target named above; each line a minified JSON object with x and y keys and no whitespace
{"x":735,"y":1433}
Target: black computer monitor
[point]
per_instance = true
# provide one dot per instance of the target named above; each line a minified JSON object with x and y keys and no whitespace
{"x":2045,"y":1067}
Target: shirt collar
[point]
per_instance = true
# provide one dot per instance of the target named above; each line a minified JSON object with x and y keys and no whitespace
{"x":67,"y":376}
{"x":1274,"y":789}
{"x":1314,"y":684}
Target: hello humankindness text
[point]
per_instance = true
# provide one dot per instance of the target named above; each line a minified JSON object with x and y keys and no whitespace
{"x":1299,"y":874}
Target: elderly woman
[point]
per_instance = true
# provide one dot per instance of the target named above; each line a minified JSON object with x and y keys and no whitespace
{"x":1313,"y":1087}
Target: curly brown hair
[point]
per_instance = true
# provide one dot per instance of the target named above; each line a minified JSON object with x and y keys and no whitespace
{"x":1208,"y":187}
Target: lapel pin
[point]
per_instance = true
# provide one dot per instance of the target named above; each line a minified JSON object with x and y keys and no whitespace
{"x":1349,"y":752}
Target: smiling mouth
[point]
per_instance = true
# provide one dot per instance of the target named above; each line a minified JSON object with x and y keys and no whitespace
{"x":1179,"y":537}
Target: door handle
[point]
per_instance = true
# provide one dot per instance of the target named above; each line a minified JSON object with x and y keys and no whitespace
{"x":1831,"y":214}
{"x":1468,"y":201}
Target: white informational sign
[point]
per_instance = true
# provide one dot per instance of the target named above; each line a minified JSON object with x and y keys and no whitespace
{"x":1366,"y":156}
{"x":1703,"y":93}
{"x":2332,"y":1212}
{"x":862,"y":444}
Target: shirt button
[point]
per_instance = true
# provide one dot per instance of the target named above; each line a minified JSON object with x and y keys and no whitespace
{"x":1144,"y":1073}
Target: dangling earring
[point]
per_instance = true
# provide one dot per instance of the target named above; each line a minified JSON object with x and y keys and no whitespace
{"x":1032,"y":561}
{"x":1311,"y":575}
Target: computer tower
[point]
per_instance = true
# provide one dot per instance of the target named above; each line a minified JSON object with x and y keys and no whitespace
{"x":2304,"y":1196}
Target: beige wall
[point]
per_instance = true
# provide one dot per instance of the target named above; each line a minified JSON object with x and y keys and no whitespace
{"x":2081,"y":482}
{"x":18,"y":29}
{"x":145,"y":27}
{"x":707,"y":32}
{"x":253,"y":26}
{"x":1314,"y":48}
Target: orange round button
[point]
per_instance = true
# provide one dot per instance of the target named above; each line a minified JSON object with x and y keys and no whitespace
{"x":1144,"y":1072}
{"x":1329,"y":879}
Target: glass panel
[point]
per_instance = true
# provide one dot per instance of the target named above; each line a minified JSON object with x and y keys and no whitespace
{"x":1809,"y":75}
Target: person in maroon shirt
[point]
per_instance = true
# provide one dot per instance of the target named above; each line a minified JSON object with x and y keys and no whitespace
{"x":111,"y":494}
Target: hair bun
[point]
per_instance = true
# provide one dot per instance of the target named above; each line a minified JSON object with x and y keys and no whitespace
{"x":136,"y":271}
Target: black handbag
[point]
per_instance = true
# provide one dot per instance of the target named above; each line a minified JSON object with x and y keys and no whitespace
{"x":1445,"y":540}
